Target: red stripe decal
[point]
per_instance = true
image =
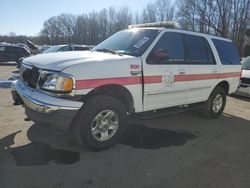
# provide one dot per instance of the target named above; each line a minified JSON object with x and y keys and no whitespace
{"x":231,"y":74}
{"x":152,"y":79}
{"x":193,"y":77}
{"x":87,"y":84}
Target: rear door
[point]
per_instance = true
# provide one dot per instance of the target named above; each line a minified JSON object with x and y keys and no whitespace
{"x":10,"y":53}
{"x":21,"y":52}
{"x":165,"y":61}
{"x":203,"y":70}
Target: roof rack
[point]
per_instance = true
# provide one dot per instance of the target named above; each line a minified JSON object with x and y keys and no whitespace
{"x":166,"y":24}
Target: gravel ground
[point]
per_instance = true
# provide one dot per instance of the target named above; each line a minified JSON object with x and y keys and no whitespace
{"x":184,"y":150}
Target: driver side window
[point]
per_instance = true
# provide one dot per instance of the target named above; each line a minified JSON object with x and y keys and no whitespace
{"x":168,"y":50}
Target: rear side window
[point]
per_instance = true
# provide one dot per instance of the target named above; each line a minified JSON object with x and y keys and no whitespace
{"x":168,"y":50}
{"x":10,"y":49}
{"x":227,"y":52}
{"x":199,"y":51}
{"x":21,"y":50}
{"x":79,"y":48}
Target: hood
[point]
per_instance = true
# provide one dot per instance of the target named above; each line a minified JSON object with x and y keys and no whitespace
{"x":61,"y":60}
{"x":31,"y":45}
{"x":245,"y":74}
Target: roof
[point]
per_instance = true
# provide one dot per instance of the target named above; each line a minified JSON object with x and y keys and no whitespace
{"x":173,"y":26}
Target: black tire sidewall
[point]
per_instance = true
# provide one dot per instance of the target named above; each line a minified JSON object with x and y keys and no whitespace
{"x":89,"y":111}
{"x":216,"y":91}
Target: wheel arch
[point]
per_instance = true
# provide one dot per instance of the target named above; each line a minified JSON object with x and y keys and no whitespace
{"x":114,"y":90}
{"x":225,"y":85}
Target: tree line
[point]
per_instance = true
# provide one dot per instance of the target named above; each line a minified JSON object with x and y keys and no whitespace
{"x":226,"y":18}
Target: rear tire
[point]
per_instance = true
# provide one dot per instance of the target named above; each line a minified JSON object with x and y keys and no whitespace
{"x":100,"y":123}
{"x":215,"y":104}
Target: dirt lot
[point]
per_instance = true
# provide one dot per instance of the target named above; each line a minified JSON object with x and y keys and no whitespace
{"x":184,"y":150}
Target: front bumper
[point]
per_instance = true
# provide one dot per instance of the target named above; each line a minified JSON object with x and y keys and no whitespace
{"x":243,"y":90}
{"x":45,"y":109}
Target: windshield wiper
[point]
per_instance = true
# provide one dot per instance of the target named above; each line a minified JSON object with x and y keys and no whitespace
{"x":108,"y":50}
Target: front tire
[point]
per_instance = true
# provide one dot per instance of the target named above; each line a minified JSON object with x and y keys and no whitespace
{"x":216,"y":103}
{"x":100,"y":123}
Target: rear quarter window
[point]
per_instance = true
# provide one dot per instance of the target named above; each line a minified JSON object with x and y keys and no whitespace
{"x":227,"y":52}
{"x":79,"y":48}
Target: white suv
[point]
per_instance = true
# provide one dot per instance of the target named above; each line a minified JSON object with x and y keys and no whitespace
{"x":142,"y":69}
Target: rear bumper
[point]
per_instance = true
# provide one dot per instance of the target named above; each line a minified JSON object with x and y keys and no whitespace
{"x":243,"y":90}
{"x":45,"y":109}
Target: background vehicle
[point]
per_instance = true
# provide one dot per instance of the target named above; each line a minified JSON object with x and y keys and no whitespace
{"x":247,"y":44}
{"x":244,"y":87}
{"x":68,"y":47}
{"x":12,"y":53}
{"x":57,"y":48}
{"x":42,"y":48}
{"x":136,"y":71}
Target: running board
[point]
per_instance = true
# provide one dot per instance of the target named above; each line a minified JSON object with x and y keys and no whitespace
{"x":166,"y":112}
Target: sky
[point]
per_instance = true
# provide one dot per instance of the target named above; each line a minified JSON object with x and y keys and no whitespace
{"x":26,"y":17}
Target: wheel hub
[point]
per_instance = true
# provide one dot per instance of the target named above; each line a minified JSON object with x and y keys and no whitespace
{"x":104,"y":125}
{"x":217,"y":103}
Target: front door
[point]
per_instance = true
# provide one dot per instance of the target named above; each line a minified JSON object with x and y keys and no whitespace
{"x":161,"y":67}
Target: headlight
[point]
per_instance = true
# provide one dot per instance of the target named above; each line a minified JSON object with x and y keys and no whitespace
{"x":57,"y":82}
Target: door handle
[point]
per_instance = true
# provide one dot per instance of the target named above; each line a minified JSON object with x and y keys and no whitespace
{"x":214,"y":70}
{"x":181,"y":71}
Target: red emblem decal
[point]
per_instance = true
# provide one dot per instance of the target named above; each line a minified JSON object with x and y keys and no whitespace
{"x":135,"y":66}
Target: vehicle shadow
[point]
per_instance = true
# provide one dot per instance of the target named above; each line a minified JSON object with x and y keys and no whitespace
{"x":48,"y":145}
{"x":12,"y":63}
{"x":141,"y":136}
{"x":40,"y":151}
{"x":246,"y":99}
{"x":7,"y":141}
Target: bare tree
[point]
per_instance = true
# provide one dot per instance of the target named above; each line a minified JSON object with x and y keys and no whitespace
{"x":103,"y":24}
{"x":165,"y":10}
{"x":149,"y":13}
{"x":226,"y":18}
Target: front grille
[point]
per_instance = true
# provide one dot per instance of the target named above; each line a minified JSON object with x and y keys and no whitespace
{"x":245,"y":80}
{"x":29,"y":75}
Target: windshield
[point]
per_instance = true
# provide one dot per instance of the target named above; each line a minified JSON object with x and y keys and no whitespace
{"x":246,"y":63}
{"x":52,"y":49}
{"x":130,"y":42}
